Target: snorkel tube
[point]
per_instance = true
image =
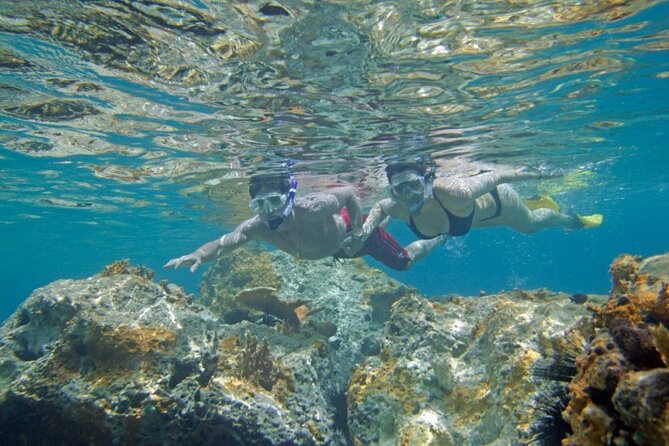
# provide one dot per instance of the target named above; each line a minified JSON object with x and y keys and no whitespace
{"x":275,"y":222}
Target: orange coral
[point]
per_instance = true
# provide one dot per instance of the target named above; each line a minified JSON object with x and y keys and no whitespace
{"x":252,"y":367}
{"x":123,"y":267}
{"x":623,"y":270}
{"x":631,"y":339}
{"x":390,"y":379}
{"x":636,"y":296}
{"x":123,"y":350}
{"x":116,"y":346}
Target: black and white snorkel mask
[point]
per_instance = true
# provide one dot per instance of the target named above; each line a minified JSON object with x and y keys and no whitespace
{"x":270,"y":204}
{"x":407,"y":185}
{"x":411,"y":188}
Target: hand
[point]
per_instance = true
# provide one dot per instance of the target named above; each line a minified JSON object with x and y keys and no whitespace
{"x":194,"y":260}
{"x":352,"y":244}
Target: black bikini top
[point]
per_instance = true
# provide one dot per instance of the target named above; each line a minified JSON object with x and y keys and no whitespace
{"x":457,"y":225}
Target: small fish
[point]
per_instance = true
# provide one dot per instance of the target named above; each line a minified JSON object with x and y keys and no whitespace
{"x":579,"y":298}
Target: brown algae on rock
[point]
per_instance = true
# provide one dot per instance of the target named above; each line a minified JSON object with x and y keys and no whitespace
{"x":620,"y":389}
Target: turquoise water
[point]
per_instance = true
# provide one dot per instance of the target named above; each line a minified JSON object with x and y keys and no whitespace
{"x":189,"y":99}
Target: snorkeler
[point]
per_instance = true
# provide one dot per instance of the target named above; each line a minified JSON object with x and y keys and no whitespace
{"x":451,"y":206}
{"x":311,"y":227}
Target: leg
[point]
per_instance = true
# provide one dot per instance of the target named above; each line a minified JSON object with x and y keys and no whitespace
{"x":516,"y":215}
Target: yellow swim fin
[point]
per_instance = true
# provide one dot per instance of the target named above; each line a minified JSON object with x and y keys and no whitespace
{"x":541,"y":202}
{"x":591,"y":221}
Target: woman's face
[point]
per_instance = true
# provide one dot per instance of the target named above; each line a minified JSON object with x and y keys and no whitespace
{"x":410,"y":188}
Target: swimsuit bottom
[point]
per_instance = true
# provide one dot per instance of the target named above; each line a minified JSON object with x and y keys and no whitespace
{"x":380,"y":245}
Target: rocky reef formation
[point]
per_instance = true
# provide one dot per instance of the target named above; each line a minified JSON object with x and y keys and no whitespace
{"x":284,"y":352}
{"x":459,"y":370}
{"x":620,"y":394}
{"x":119,"y":359}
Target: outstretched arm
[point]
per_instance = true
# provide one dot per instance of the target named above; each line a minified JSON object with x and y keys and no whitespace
{"x":421,"y":248}
{"x":210,"y":250}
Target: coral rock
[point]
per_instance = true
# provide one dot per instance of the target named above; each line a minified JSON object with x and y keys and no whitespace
{"x":118,"y":359}
{"x":620,"y":393}
{"x":623,"y":273}
{"x":595,"y":428}
{"x":642,"y":400}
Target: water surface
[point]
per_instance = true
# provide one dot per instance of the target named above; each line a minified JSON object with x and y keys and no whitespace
{"x":127,"y":129}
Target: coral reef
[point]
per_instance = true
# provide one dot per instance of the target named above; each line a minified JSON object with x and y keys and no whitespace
{"x":255,"y":364}
{"x":232,"y":273}
{"x":123,"y":267}
{"x":264,"y":299}
{"x":120,"y":359}
{"x":459,"y":370}
{"x":620,"y":394}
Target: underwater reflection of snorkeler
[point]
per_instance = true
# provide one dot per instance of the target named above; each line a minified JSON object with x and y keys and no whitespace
{"x":311,"y":227}
{"x":446,"y":206}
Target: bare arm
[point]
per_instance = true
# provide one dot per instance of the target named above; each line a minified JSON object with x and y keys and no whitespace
{"x":348,"y":199}
{"x":330,"y":202}
{"x":376,"y":217}
{"x":210,"y":250}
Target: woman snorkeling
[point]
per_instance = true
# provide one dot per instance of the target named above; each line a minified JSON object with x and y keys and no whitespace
{"x":451,"y":206}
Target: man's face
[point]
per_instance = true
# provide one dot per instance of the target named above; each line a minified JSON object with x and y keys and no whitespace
{"x":268,"y":203}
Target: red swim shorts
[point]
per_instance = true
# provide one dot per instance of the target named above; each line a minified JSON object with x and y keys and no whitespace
{"x":380,"y":245}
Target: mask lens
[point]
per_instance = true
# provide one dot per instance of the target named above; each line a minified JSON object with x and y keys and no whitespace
{"x":276,"y":200}
{"x":407,"y":187}
{"x":267,"y":203}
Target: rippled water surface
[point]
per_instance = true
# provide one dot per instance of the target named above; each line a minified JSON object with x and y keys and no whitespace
{"x":127,"y":128}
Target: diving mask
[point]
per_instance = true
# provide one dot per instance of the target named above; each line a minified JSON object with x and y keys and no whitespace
{"x":407,"y":185}
{"x":268,"y":203}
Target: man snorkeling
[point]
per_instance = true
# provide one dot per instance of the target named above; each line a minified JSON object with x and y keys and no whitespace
{"x":311,"y":227}
{"x":451,"y":206}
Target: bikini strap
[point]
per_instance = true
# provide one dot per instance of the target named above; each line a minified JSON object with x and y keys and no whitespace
{"x":498,"y":204}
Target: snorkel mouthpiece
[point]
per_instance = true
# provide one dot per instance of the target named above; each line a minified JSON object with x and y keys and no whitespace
{"x":275,"y":222}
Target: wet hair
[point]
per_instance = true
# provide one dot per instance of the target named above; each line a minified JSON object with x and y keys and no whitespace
{"x":275,"y":182}
{"x":422,"y":164}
